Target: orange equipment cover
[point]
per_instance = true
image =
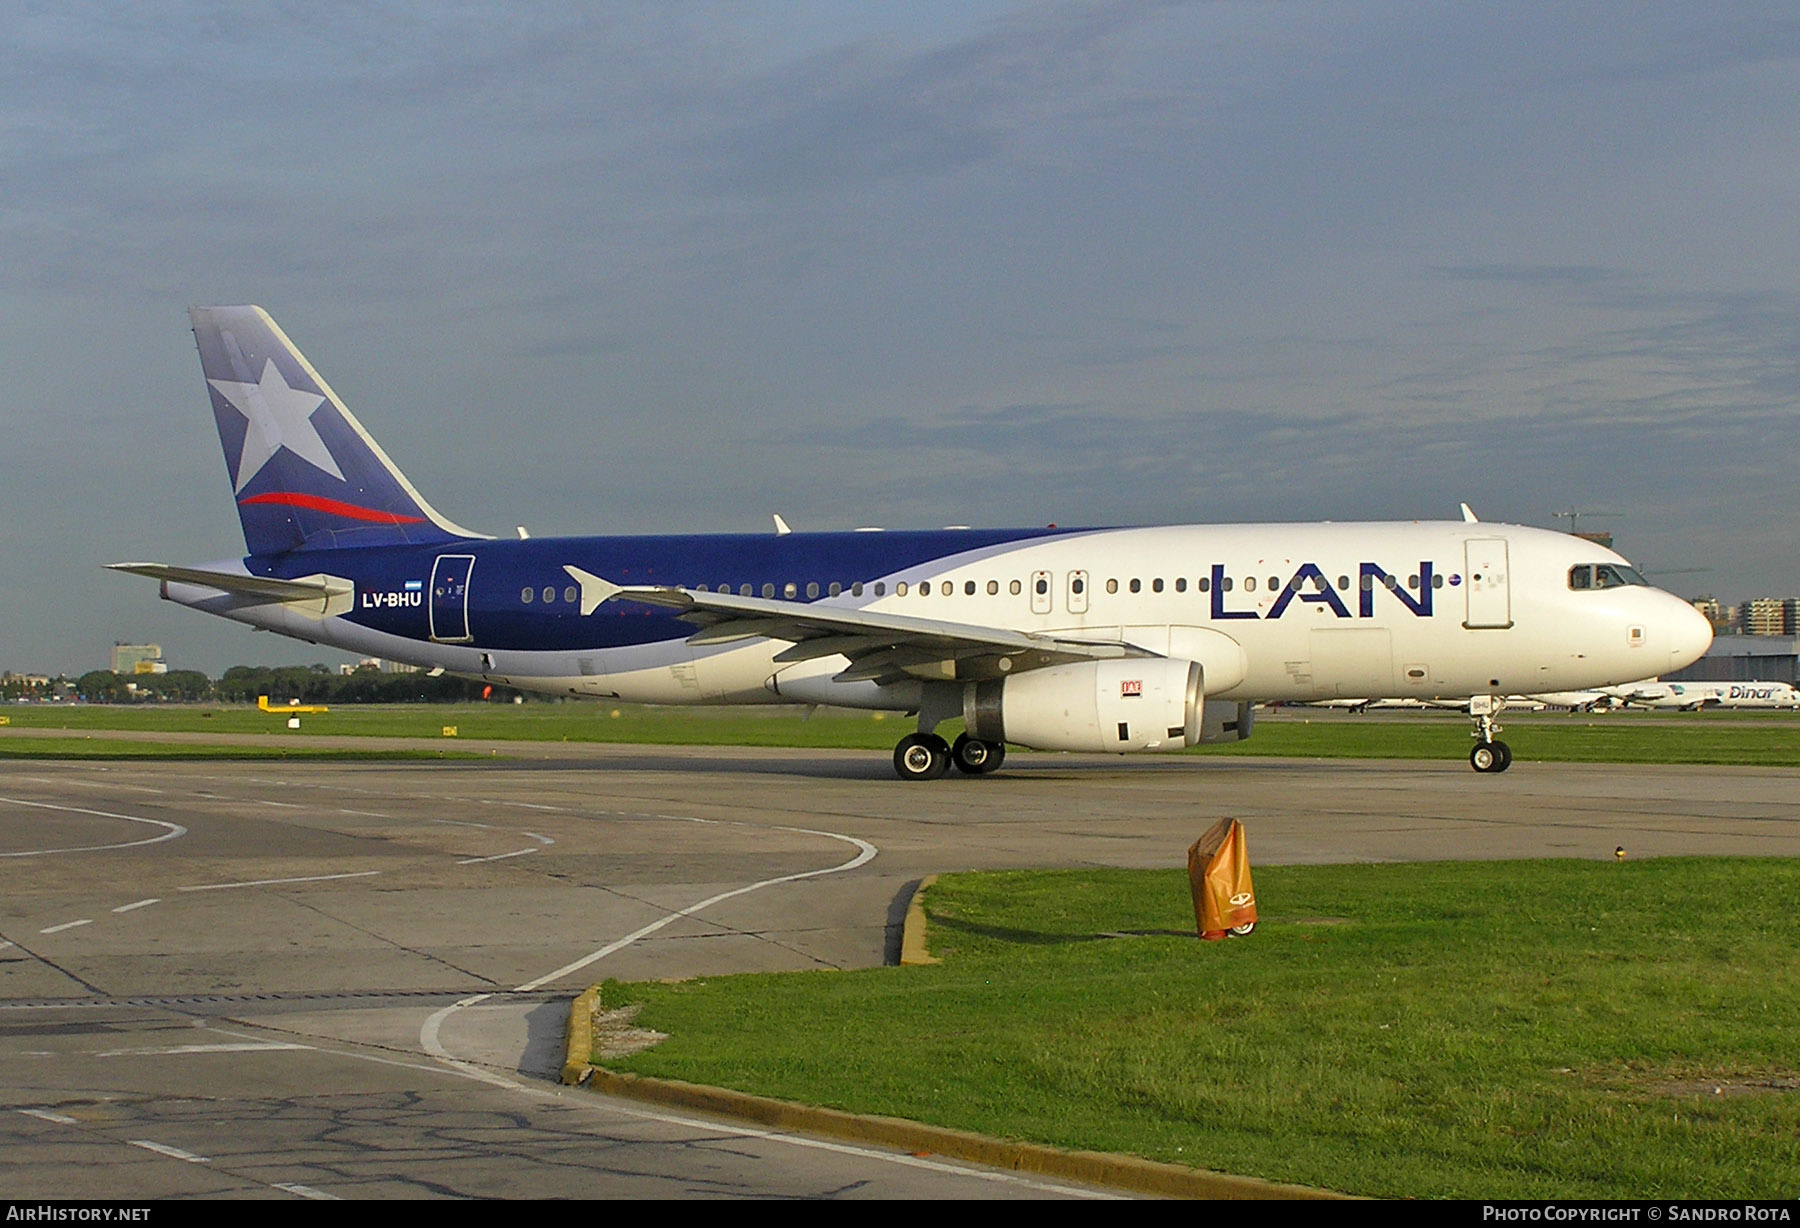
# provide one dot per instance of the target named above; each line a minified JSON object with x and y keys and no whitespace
{"x":1219,"y":872}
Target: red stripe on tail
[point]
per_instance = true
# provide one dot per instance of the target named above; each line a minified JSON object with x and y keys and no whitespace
{"x":316,"y":503}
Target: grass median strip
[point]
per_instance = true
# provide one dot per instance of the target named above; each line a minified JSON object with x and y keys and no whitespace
{"x":1527,"y":1030}
{"x":1766,"y":739}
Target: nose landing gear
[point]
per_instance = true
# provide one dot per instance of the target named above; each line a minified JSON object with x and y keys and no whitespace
{"x":1488,"y":754}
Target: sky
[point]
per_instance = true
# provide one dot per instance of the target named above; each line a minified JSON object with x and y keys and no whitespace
{"x":596,"y":268}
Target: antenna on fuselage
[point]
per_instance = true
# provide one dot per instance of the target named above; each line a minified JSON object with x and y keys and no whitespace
{"x":1469,"y":517}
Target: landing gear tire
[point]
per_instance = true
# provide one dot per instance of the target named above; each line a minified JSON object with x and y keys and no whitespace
{"x":921,"y":756}
{"x":1490,"y":757}
{"x":976,"y":758}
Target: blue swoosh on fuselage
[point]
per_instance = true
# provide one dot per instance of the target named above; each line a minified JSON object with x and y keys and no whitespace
{"x":499,"y":619}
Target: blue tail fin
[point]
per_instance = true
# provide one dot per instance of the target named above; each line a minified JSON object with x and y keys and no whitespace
{"x":305,"y":473}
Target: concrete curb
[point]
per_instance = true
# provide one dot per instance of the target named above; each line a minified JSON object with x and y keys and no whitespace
{"x":1117,"y":1172}
{"x":913,"y":951}
{"x":580,"y":1037}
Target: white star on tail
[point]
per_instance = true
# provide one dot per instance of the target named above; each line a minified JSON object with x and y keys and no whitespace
{"x":278,"y":416}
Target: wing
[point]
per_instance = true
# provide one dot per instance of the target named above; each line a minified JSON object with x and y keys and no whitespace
{"x":882,"y":648}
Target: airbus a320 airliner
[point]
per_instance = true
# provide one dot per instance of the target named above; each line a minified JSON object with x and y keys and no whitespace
{"x":1099,"y":639}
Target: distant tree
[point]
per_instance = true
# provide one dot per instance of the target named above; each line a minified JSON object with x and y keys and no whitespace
{"x":102,"y":686}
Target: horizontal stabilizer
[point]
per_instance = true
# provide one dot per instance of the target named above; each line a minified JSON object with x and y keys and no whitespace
{"x":321,"y":594}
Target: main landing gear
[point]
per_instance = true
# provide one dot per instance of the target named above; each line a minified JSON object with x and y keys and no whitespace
{"x":925,"y":756}
{"x":1488,"y":754}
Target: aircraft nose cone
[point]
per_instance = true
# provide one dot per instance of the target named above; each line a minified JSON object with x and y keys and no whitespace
{"x":1690,"y":636}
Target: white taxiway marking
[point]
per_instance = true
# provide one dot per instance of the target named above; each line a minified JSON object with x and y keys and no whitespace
{"x":66,"y":925}
{"x":4,"y":944}
{"x":276,"y":882}
{"x":471,"y":861}
{"x":47,"y":1115}
{"x":138,"y":905}
{"x":365,"y":814}
{"x":171,"y":831}
{"x":429,"y":1033}
{"x":862,"y":858}
{"x":264,"y":1046}
{"x":163,"y":1149}
{"x":305,"y":1191}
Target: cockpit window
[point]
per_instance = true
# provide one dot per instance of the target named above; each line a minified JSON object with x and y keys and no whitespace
{"x":1603,"y":575}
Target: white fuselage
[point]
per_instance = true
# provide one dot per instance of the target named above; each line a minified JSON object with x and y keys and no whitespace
{"x":1274,"y":612}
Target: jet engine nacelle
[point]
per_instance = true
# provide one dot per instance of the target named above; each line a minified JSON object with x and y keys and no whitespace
{"x":1135,"y":703}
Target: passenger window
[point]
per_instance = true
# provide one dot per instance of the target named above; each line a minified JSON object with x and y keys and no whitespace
{"x":790,"y":590}
{"x":1368,"y":583}
{"x":993,"y":588}
{"x":525,"y":596}
{"x":1014,"y":588}
{"x":1156,"y":585}
{"x":549,"y":594}
{"x":834,"y":590}
{"x":701,"y":588}
{"x":968,"y":588}
{"x":1204,"y":584}
{"x":743,"y":590}
{"x":1249,"y":584}
{"x":1343,"y":583}
{"x":900,"y":589}
{"x":768,"y":590}
{"x":881,"y":588}
{"x":1112,"y":586}
{"x":1181,"y":584}
{"x":1274,"y":583}
{"x":1412,"y":582}
{"x":1393,"y":582}
{"x":569,"y":594}
{"x":856,"y":589}
{"x":1437,"y":580}
{"x":1137,"y":586}
{"x":1225,"y":584}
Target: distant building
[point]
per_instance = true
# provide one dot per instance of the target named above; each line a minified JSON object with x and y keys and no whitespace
{"x":1719,"y":616}
{"x":1771,"y":616}
{"x":125,"y":657}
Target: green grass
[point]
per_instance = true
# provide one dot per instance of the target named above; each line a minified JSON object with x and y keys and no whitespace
{"x":533,"y":722}
{"x":1493,"y":1030}
{"x":1719,"y":738}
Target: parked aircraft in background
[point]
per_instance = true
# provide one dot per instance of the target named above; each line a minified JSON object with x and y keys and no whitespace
{"x":1119,"y":640}
{"x":1693,"y":696}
